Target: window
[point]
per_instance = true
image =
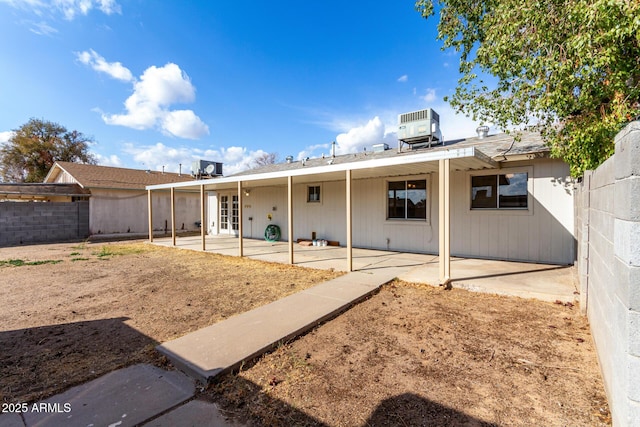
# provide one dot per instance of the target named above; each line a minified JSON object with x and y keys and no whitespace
{"x":224,"y":212}
{"x":407,"y":199}
{"x":508,"y":191}
{"x":313,"y":193}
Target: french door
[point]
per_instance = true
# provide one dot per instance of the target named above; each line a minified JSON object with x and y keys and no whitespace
{"x":229,"y":214}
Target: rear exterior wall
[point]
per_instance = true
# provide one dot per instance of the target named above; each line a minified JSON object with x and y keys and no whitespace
{"x":542,"y":233}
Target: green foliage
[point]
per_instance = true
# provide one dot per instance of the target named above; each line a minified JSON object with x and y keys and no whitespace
{"x":570,"y":67}
{"x":36,"y":146}
{"x":20,"y":263}
{"x":113,"y":250}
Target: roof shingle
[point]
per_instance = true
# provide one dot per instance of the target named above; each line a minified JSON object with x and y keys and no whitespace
{"x":93,"y":176}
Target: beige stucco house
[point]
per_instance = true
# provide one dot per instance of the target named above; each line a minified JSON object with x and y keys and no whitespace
{"x":491,"y":197}
{"x":118,"y":202}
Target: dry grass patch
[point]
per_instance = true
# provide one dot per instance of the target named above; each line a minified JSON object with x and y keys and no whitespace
{"x":106,"y":306}
{"x":417,"y":355}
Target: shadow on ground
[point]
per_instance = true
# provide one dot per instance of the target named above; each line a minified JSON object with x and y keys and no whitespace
{"x":246,"y":402}
{"x":38,"y":362}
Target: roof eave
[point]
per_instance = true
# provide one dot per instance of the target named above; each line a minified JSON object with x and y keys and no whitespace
{"x":428,"y":157}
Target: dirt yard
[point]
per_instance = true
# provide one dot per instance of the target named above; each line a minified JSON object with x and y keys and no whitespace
{"x":409,"y":355}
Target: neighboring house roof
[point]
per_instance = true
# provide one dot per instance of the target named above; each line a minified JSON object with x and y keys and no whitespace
{"x":107,"y":177}
{"x":31,"y":191}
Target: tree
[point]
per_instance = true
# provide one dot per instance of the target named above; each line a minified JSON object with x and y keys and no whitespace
{"x":569,"y":67}
{"x":36,"y":146}
{"x":264,"y":159}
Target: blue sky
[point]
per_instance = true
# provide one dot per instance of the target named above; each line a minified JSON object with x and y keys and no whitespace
{"x":159,"y":83}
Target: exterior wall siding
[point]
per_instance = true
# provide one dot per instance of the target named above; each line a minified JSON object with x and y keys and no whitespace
{"x":543,"y":233}
{"x":36,"y":222}
{"x":126,"y":211}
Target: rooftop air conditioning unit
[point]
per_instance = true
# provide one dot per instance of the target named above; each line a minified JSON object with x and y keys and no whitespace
{"x":419,"y":127}
{"x":206,"y":168}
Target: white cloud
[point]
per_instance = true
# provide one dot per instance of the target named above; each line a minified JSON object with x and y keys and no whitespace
{"x":5,"y":136}
{"x":114,"y":69}
{"x":69,"y":8}
{"x":112,"y":160}
{"x":364,"y":136}
{"x":235,"y":159}
{"x":153,"y":94}
{"x":430,"y":95}
{"x":403,"y":78}
{"x":184,"y":123}
{"x":311,"y":150}
{"x":42,"y":28}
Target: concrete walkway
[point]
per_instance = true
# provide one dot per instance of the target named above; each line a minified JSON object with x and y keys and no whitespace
{"x":219,"y":348}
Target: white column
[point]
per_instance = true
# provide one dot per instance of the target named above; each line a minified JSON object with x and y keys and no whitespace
{"x":349,"y":223}
{"x":240,"y":239}
{"x":290,"y":216}
{"x":150,"y":202}
{"x":202,"y":218}
{"x":444,"y":253}
{"x":173,"y":216}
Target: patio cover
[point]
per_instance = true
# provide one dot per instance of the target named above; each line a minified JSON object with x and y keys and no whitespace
{"x":441,"y":160}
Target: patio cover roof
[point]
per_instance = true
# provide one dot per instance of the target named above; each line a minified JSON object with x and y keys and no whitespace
{"x":466,"y":154}
{"x":414,"y":163}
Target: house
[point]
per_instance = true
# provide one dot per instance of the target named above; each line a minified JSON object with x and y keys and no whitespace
{"x":119,"y":203}
{"x":494,"y":197}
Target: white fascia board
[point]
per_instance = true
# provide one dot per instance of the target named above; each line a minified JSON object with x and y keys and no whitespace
{"x":432,"y":156}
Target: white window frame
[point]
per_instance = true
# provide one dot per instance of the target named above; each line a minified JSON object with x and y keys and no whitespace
{"x":320,"y":194}
{"x":501,"y":211}
{"x":409,"y":221}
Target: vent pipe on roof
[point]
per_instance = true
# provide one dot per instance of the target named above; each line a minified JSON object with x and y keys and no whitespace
{"x":333,"y":149}
{"x":179,"y":169}
{"x":289,"y":159}
{"x":483,"y":131}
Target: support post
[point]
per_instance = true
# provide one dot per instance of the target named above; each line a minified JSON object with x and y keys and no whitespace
{"x":150,"y":203}
{"x":290,"y":216}
{"x":202,"y":218}
{"x":173,"y":216}
{"x":444,"y":219}
{"x":240,"y":240}
{"x":349,"y":222}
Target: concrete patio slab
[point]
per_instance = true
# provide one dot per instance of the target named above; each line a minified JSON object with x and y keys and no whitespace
{"x":126,"y":397}
{"x":526,"y":280}
{"x":219,"y":348}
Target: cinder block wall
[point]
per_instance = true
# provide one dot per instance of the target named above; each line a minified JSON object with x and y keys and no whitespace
{"x":35,"y":222}
{"x":608,"y":232}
